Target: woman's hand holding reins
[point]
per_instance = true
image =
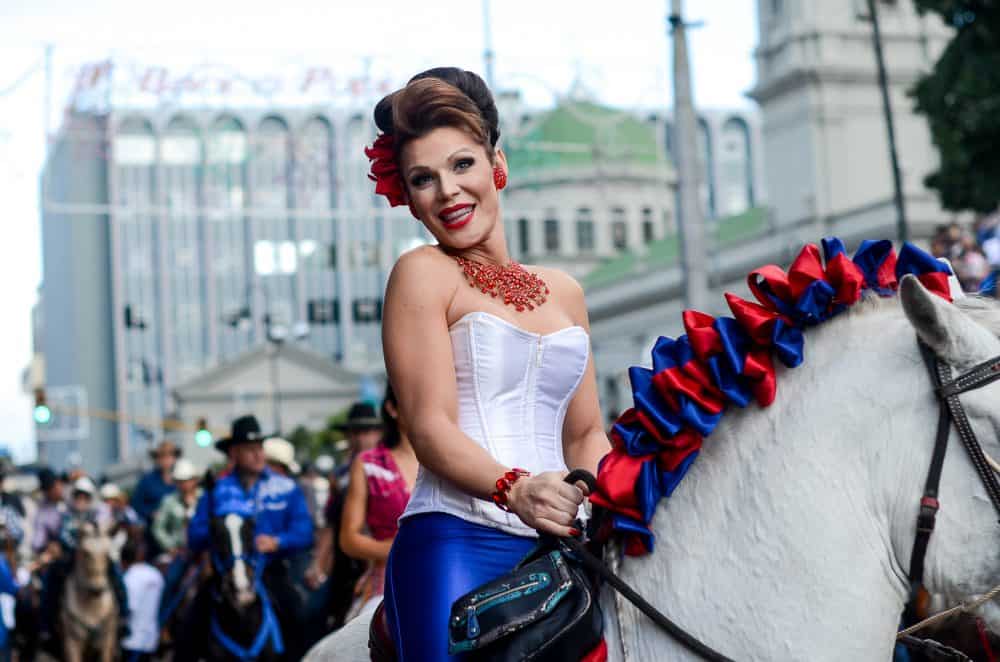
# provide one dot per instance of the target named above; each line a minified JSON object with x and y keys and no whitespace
{"x":546,"y":503}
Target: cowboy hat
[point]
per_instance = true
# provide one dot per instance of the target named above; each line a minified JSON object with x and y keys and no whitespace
{"x":244,"y":430}
{"x":282,"y":452}
{"x":165,"y":446}
{"x":361,"y":416}
{"x":184,"y":470}
{"x":111,"y":491}
{"x":84,"y":485}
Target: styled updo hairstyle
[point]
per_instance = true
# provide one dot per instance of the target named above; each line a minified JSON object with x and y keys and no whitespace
{"x":391,"y":435}
{"x":440,"y":97}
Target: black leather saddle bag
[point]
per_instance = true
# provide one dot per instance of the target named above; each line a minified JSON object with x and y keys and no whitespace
{"x":545,"y":609}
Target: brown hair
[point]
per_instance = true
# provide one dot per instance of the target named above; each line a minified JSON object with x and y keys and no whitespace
{"x":441,"y":97}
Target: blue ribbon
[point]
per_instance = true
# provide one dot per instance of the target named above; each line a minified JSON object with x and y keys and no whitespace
{"x":269,"y":630}
{"x":727,"y":369}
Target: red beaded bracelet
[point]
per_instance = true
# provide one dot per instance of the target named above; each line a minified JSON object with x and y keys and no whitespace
{"x":504,"y":483}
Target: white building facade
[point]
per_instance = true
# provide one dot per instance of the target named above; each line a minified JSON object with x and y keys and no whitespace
{"x":823,"y":125}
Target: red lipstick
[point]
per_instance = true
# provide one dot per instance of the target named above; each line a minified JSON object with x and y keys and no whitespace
{"x":457,"y":216}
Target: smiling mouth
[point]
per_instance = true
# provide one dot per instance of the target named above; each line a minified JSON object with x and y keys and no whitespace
{"x":456,"y":217}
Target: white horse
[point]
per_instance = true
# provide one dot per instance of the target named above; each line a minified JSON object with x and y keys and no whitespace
{"x":790,"y":538}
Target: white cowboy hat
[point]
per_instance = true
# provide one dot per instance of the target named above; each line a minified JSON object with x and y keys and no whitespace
{"x":85,"y":485}
{"x":110,"y":491}
{"x":324,"y":464}
{"x":185,"y":470}
{"x":281,"y":451}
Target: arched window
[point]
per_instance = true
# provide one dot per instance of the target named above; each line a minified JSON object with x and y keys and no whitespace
{"x":134,"y":153}
{"x":551,"y":227}
{"x":181,"y":157}
{"x":648,"y":227}
{"x":584,"y":230}
{"x":735,"y":167}
{"x":226,"y":152}
{"x":619,"y":229}
{"x":524,"y":236}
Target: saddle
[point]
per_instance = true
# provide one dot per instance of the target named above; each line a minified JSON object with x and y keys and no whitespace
{"x":381,"y":645}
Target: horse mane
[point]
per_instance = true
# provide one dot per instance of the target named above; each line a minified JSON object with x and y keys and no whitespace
{"x":984,"y":310}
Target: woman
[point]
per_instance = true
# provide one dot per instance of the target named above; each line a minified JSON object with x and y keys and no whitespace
{"x":169,"y":529}
{"x":381,"y":481}
{"x":495,"y":381}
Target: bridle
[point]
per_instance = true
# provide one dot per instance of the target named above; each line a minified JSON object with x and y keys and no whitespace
{"x":951,"y":412}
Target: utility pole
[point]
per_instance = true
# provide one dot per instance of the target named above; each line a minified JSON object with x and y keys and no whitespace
{"x":47,"y":104}
{"x":488,"y":45}
{"x":690,"y":223}
{"x":883,"y":82}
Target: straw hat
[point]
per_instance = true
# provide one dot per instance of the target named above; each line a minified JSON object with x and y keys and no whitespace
{"x":282,"y":452}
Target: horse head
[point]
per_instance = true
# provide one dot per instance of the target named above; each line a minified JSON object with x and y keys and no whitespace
{"x":963,"y":558}
{"x":234,"y":558}
{"x":92,"y":557}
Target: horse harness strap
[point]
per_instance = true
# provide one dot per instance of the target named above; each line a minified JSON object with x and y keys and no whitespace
{"x":929,"y":504}
{"x":269,"y":631}
{"x":951,"y":411}
{"x":577,"y":550}
{"x":594,"y":564}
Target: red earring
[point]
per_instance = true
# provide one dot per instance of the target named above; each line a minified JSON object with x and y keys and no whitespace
{"x":499,"y":178}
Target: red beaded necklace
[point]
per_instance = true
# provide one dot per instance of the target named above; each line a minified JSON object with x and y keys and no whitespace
{"x":512,"y":282}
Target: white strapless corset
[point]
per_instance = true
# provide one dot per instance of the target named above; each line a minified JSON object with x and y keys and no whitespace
{"x":514,"y":387}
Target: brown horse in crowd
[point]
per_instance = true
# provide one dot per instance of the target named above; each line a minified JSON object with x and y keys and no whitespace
{"x":87,"y":625}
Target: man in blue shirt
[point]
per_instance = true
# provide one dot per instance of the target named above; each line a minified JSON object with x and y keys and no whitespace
{"x":153,"y":486}
{"x":283,"y":527}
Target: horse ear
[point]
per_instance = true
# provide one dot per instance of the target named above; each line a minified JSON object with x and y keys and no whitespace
{"x":944,"y":327}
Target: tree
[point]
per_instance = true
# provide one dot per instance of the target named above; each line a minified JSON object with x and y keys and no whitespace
{"x":961,"y":99}
{"x":312,"y":443}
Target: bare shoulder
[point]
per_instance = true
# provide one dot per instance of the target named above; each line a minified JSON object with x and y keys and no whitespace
{"x":416,"y":271}
{"x":565,"y":290}
{"x":560,"y":283}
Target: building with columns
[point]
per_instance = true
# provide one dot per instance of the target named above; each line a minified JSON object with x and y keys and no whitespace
{"x":589,"y":182}
{"x":825,"y":159}
{"x":824,"y":131}
{"x":177,"y":240}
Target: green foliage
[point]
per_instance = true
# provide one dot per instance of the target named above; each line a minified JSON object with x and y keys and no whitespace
{"x":961,"y":99}
{"x":312,"y":443}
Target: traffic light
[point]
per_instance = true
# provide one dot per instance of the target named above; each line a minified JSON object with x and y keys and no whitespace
{"x":42,"y":413}
{"x":203,"y":436}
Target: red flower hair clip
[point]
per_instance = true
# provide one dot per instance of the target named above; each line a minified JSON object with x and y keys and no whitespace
{"x":384,"y":171}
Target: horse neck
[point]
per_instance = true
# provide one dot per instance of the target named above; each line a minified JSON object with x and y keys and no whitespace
{"x":240,"y":625}
{"x":782,"y":538}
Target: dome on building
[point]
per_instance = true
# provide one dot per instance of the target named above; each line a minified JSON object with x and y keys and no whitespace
{"x":584,"y":135}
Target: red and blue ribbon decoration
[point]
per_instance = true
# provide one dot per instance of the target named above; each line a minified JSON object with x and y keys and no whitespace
{"x":730,"y":361}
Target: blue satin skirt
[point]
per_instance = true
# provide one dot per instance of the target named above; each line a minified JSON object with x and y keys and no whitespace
{"x":436,"y":559}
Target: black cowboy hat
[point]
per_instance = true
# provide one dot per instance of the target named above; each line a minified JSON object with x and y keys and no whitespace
{"x":244,"y":430}
{"x":361,"y":416}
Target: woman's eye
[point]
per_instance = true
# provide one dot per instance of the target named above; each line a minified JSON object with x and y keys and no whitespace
{"x":464,"y":164}
{"x":419,"y":180}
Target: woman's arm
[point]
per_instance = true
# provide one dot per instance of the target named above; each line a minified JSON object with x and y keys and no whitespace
{"x":584,"y":439}
{"x":353,"y":541}
{"x":421,"y":368}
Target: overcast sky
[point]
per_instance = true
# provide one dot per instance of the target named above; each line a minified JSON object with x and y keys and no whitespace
{"x":618,"y":50}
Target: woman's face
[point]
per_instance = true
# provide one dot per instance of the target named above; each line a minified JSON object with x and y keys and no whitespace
{"x":449,"y":181}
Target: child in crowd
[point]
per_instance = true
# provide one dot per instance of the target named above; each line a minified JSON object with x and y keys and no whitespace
{"x":144,"y":584}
